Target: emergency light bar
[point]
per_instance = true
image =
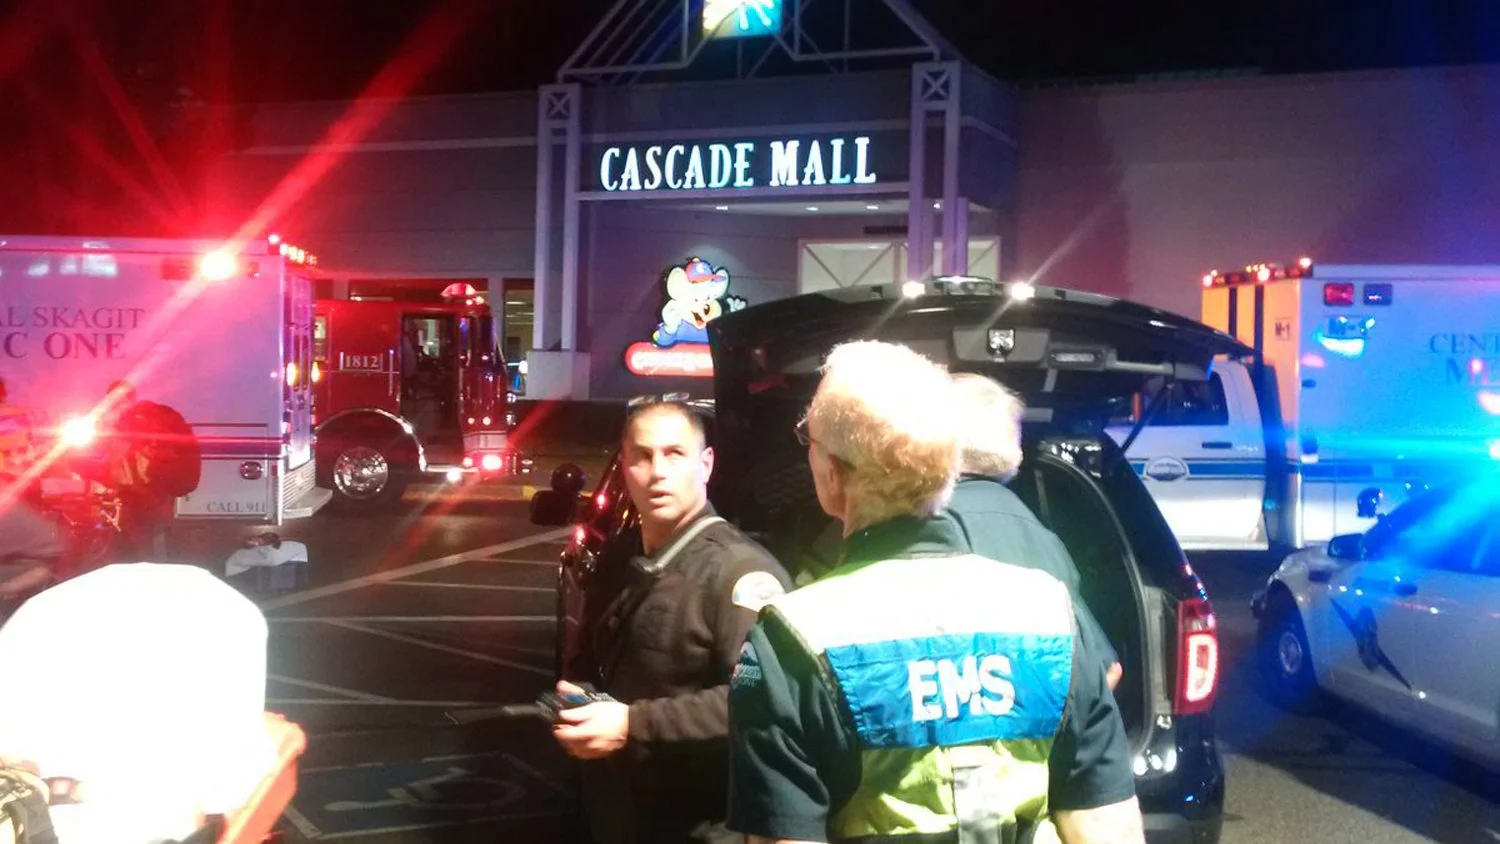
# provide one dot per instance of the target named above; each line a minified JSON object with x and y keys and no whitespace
{"x":462,"y":291}
{"x":1259,"y":274}
{"x":960,"y":285}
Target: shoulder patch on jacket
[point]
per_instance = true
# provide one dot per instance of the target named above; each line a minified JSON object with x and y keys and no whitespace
{"x":746,"y":671}
{"x":754,"y":590}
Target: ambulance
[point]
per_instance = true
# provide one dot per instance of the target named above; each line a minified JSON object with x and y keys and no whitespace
{"x":220,"y":332}
{"x":406,"y":390}
{"x":1369,"y":384}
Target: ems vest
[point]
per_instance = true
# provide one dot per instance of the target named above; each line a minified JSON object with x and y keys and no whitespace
{"x":954,"y":675}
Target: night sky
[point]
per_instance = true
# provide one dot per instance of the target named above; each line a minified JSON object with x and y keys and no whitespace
{"x":101,"y":93}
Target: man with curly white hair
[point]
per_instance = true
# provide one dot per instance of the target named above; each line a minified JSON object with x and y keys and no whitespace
{"x":917,"y":689}
{"x":993,"y":520}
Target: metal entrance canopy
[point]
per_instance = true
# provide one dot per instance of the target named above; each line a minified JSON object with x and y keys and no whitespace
{"x":654,"y":75}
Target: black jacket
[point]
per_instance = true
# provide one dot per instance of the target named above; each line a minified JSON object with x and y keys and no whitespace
{"x":666,"y":645}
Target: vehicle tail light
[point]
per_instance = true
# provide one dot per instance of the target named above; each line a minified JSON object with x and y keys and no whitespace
{"x":468,"y":462}
{"x":490,"y":462}
{"x":1197,"y":656}
{"x":1338,"y":294}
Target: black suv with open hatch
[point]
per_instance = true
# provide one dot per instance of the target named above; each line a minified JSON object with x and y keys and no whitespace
{"x":1075,"y":358}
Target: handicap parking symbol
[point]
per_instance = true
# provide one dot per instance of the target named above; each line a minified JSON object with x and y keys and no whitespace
{"x":374,"y":799}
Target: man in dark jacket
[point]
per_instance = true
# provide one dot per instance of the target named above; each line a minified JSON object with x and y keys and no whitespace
{"x":152,"y":458}
{"x":994,"y":521}
{"x":657,"y":763}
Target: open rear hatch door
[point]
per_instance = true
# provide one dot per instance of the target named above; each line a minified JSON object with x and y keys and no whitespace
{"x":1073,"y":357}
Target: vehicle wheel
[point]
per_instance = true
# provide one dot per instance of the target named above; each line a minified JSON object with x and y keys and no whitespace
{"x":364,"y":478}
{"x":1286,"y":660}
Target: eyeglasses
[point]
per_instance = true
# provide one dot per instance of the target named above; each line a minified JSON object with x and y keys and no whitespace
{"x":804,"y":436}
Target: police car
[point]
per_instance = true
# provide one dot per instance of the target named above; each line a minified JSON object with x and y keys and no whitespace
{"x":1403,"y":619}
{"x":1072,"y":356}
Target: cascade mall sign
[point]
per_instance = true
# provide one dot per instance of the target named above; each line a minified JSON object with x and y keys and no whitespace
{"x":737,"y":164}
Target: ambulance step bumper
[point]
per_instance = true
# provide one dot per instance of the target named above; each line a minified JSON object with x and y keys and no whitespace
{"x":308,"y":503}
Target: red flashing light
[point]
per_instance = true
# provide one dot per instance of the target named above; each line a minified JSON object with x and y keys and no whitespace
{"x":490,"y":463}
{"x":273,"y":239}
{"x":459,"y":290}
{"x":1263,"y":274}
{"x":1338,"y":294}
{"x":217,"y":266}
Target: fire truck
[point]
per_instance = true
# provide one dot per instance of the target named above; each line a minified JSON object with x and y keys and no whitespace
{"x":405,"y":389}
{"x":220,"y":332}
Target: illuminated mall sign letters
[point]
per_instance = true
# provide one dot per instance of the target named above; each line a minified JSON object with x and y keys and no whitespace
{"x":742,"y":164}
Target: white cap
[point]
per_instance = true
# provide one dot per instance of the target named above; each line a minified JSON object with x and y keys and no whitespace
{"x":146,"y":683}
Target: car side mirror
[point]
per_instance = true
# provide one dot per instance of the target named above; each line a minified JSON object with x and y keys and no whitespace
{"x":550,"y":508}
{"x":1367,"y":504}
{"x":1349,"y":547}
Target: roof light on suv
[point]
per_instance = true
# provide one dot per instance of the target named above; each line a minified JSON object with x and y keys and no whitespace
{"x":1021,"y":291}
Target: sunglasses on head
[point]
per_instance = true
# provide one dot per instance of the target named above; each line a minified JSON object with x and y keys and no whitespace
{"x":654,"y":398}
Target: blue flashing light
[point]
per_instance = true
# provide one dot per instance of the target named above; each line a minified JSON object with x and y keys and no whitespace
{"x":1490,"y":402}
{"x":1345,"y":347}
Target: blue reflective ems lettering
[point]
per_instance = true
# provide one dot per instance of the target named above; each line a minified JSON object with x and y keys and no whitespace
{"x":954,"y":689}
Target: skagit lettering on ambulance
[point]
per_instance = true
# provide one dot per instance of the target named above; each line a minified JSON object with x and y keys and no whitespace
{"x":743,"y":164}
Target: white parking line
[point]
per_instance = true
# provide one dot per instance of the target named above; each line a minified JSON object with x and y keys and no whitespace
{"x":551,"y":536}
{"x":324,"y":687}
{"x":423,"y":643}
{"x":442,"y":704}
{"x":409,"y":619}
{"x":481,"y":586}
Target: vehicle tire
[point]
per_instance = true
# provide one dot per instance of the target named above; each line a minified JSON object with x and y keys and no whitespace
{"x":366,"y":476}
{"x":1286,"y":668}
